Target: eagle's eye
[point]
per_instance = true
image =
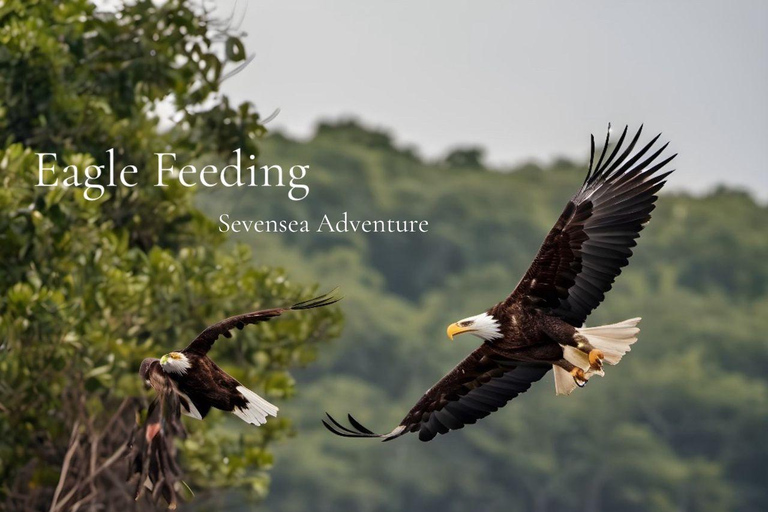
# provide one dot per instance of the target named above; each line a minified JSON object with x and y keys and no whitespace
{"x":466,"y":323}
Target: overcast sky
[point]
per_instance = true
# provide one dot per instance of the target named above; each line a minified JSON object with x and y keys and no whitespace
{"x":526,"y":80}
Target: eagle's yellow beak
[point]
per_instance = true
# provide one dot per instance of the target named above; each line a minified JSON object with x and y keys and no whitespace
{"x":454,"y":330}
{"x":164,"y":359}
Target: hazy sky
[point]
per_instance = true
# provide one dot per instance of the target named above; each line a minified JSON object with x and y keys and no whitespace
{"x":526,"y":80}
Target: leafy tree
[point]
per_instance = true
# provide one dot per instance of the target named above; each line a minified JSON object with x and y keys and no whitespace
{"x":469,"y":157}
{"x":90,"y":288}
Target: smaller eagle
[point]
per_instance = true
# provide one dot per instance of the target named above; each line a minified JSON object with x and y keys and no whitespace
{"x":200,"y":384}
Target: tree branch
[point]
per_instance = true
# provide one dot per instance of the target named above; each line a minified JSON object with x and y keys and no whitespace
{"x":74,"y":442}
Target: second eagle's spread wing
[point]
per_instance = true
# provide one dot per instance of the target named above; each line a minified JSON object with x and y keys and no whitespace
{"x":205,"y":340}
{"x":592,"y":240}
{"x":152,"y":459}
{"x":481,"y":384}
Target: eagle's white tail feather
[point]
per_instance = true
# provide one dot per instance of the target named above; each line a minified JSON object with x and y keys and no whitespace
{"x":580,"y":359}
{"x":188,"y":407}
{"x":257,"y":410}
{"x":576,"y":356}
{"x":613,"y":340}
{"x":564,"y":383}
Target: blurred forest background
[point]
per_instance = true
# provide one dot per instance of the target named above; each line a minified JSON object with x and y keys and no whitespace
{"x":680,"y":425}
{"x":88,"y":289}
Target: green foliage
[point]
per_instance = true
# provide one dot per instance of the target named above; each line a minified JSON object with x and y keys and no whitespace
{"x":90,"y":288}
{"x":679,"y":425}
{"x":469,"y":157}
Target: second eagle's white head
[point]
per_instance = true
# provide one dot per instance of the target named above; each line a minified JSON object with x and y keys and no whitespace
{"x":483,"y":326}
{"x":175,"y":362}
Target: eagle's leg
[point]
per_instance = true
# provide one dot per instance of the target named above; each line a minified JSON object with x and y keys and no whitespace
{"x":579,"y":377}
{"x":565,"y":334}
{"x":595,"y":355}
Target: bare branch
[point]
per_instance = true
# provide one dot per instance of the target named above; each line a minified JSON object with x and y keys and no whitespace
{"x":73,"y":444}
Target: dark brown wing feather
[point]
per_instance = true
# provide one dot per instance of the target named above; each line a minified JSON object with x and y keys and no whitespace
{"x":592,"y":240}
{"x":152,"y":444}
{"x":152,"y":373}
{"x":205,"y":340}
{"x":481,"y":384}
{"x":167,"y":393}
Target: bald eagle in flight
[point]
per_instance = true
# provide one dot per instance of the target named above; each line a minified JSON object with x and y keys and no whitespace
{"x":200,"y":384}
{"x":540,"y":325}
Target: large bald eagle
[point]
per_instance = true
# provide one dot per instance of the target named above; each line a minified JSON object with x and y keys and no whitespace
{"x":200,"y":384}
{"x":540,"y":325}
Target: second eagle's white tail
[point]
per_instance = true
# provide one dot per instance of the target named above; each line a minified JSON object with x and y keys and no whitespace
{"x":613,"y":340}
{"x":257,"y":409}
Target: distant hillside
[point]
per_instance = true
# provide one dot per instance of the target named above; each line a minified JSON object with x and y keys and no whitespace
{"x":680,"y":425}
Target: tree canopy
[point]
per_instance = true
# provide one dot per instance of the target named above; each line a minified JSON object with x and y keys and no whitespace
{"x":90,"y":288}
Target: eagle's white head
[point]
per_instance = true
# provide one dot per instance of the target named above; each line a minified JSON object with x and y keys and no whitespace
{"x":483,"y":326}
{"x":175,"y":362}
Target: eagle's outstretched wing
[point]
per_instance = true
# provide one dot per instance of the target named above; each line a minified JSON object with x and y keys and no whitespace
{"x":168,"y":401}
{"x":592,"y":240}
{"x":205,"y":340}
{"x":152,"y":460}
{"x":481,"y":384}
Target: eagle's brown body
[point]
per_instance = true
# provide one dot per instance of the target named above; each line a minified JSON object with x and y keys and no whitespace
{"x":529,"y":335}
{"x":209,"y":386}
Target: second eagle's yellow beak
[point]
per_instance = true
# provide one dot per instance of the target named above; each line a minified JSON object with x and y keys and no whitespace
{"x":454,"y":330}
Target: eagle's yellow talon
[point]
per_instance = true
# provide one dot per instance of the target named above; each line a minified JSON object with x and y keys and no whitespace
{"x":579,"y":377}
{"x":596,"y":359}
